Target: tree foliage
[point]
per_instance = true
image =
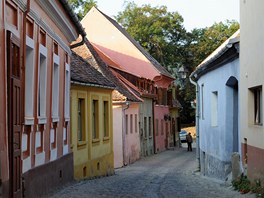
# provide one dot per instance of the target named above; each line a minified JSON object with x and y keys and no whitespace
{"x":81,"y":7}
{"x":163,"y":35}
{"x":160,"y":32}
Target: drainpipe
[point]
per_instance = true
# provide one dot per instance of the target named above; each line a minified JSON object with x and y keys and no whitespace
{"x":79,"y":43}
{"x":124,"y":131}
{"x":197,"y":122}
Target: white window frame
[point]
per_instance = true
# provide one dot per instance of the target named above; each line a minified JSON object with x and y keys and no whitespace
{"x":55,"y":88}
{"x":42,"y":84}
{"x":67,"y":92}
{"x":29,"y":81}
{"x":214,"y":109}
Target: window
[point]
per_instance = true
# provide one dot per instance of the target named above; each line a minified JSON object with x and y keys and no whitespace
{"x":136,"y":127}
{"x":131,"y":123}
{"x":150,"y":126}
{"x":67,"y":92}
{"x":214,"y":108}
{"x":95,"y":126}
{"x":157,"y":127}
{"x":145,"y":126}
{"x":29,"y":81}
{"x":81,"y":119}
{"x":257,"y":92}
{"x":202,"y":101}
{"x":126,"y":124}
{"x":55,"y":88}
{"x":42,"y":84}
{"x":106,"y":119}
{"x":162,"y":123}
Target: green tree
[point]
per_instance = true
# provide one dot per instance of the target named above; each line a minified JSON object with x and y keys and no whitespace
{"x":81,"y":7}
{"x":160,"y":32}
{"x":163,"y":35}
{"x":204,"y":41}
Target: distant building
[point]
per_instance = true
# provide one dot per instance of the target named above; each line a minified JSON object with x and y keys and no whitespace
{"x":128,"y":59}
{"x":35,"y":58}
{"x":217,"y":79}
{"x":251,"y":88}
{"x":91,"y":121}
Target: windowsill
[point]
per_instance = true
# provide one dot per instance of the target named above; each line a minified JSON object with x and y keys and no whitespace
{"x":55,"y":119}
{"x":106,"y":138}
{"x":95,"y":140}
{"x":81,"y":143}
{"x":42,"y":120}
{"x":150,"y":137}
{"x":66,"y":119}
{"x":258,"y":124}
{"x":29,"y":120}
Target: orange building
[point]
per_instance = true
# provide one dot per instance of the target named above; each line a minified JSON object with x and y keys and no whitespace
{"x":35,"y":84}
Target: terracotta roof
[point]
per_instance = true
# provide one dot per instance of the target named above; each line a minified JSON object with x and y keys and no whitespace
{"x":83,"y":73}
{"x":89,"y":53}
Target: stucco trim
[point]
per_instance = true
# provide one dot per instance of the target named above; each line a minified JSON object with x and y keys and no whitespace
{"x":63,"y":24}
{"x":91,"y":85}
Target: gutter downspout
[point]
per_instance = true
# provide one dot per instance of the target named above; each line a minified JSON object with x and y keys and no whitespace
{"x":78,"y":44}
{"x":197,"y":122}
{"x":124,"y":132}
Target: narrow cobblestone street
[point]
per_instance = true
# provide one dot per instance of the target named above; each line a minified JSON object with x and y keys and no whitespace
{"x":168,"y":174}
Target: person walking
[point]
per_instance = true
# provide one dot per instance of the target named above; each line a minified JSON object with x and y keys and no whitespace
{"x":189,"y":141}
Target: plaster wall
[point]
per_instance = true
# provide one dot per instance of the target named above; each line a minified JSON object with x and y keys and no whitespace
{"x":251,"y":75}
{"x":92,"y":157}
{"x":161,"y":135}
{"x":146,"y":132}
{"x":217,"y":136}
{"x":132,"y":140}
{"x":117,"y":135}
{"x":252,"y":69}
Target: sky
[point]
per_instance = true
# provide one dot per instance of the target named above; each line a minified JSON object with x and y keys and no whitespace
{"x":196,"y":13}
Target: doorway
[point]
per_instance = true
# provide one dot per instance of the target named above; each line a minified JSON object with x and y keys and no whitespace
{"x":14,"y":99}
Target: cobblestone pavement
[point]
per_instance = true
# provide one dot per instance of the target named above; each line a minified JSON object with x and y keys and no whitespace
{"x":168,"y":174}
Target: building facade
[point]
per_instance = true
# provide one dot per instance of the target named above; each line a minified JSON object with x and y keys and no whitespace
{"x":125,"y":107}
{"x":34,"y":123}
{"x":217,"y":79}
{"x":91,"y":121}
{"x":251,"y":86}
{"x":128,"y":59}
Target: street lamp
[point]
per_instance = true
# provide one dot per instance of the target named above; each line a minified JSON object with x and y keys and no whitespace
{"x":183,"y":72}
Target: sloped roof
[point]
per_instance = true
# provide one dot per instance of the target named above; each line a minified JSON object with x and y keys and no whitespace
{"x":89,"y":54}
{"x":83,"y":73}
{"x":158,"y":66}
{"x":225,"y":52}
{"x":119,"y":47}
{"x":73,"y":16}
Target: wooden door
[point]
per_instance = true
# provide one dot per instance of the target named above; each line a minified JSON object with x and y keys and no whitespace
{"x":14,"y":114}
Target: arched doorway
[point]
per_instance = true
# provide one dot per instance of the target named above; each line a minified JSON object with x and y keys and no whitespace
{"x":232,"y":107}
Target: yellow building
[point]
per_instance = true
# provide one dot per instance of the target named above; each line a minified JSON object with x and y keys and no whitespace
{"x":91,"y":121}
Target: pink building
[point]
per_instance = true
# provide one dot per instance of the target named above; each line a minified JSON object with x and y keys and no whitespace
{"x":35,"y":58}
